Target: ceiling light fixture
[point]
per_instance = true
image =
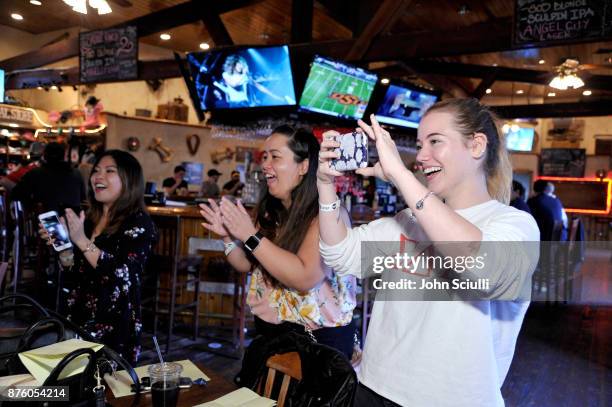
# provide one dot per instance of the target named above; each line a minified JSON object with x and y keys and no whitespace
{"x":567,"y":76}
{"x":165,"y":36}
{"x":204,"y":45}
{"x":384,"y":81}
{"x":17,"y":17}
{"x":54,"y":87}
{"x":520,"y":92}
{"x":35,"y":2}
{"x":488,"y":91}
{"x":552,"y":94}
{"x":587,"y":93}
{"x":80,"y":6}
{"x":541,"y":62}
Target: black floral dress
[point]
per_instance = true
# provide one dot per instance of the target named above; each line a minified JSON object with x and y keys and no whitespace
{"x":105,"y":300}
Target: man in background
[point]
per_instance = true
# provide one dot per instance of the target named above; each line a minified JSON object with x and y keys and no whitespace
{"x":176,"y":185}
{"x":517,"y":199}
{"x":55,"y":184}
{"x":547,"y":210}
{"x":210,"y":189}
{"x":233,"y":186}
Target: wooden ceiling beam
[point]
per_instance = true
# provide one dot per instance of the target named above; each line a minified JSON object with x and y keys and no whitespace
{"x":213,"y":23}
{"x":442,"y":83}
{"x":484,"y":84}
{"x":603,"y":82}
{"x":161,"y":20}
{"x":384,"y":16}
{"x":594,"y":108}
{"x":147,"y":70}
{"x":302,"y":12}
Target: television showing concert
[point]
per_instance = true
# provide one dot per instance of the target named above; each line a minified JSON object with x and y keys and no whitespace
{"x":243,"y":78}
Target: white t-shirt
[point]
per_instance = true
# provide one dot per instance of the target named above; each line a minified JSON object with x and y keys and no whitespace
{"x":442,"y":353}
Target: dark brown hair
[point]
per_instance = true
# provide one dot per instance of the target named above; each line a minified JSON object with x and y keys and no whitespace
{"x":472,"y":117}
{"x":131,"y":198}
{"x":287,"y":227}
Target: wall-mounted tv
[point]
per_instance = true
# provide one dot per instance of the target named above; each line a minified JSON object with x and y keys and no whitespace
{"x":242,"y":78}
{"x":337,"y":89}
{"x":1,"y":86}
{"x":404,"y":106}
{"x":520,"y":138}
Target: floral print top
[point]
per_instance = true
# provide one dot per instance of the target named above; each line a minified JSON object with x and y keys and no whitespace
{"x":105,"y":300}
{"x":330,"y":304}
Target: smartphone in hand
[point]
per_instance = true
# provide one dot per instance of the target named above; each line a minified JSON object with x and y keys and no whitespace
{"x":56,"y":230}
{"x":353,"y":152}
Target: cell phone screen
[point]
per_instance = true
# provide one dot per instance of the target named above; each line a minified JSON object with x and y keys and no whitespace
{"x":56,"y":231}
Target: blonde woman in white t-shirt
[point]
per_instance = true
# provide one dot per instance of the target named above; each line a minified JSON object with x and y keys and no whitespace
{"x":442,"y":353}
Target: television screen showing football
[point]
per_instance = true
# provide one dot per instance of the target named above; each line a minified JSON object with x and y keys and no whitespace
{"x":337,"y":89}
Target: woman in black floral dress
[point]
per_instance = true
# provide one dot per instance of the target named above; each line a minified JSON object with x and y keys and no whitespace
{"x":113,"y":240}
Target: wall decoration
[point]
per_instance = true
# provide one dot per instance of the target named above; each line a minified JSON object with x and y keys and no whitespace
{"x":165,"y":153}
{"x":241,"y":153}
{"x":193,"y":143}
{"x":220,"y":155}
{"x":133,"y":143}
{"x":566,"y":132}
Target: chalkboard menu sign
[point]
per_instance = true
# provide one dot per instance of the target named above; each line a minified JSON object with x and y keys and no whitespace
{"x":109,"y":55}
{"x":562,"y":162}
{"x":558,"y":21}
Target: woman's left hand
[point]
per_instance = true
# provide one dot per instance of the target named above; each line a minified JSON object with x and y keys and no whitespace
{"x":390,"y":164}
{"x":237,"y":220}
{"x":76,"y":227}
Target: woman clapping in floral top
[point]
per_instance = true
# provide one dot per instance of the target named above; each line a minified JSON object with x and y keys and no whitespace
{"x":113,"y":240}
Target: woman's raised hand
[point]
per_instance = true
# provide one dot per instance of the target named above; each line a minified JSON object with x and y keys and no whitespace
{"x":326,"y":174}
{"x":237,"y":220}
{"x":212,"y":215}
{"x":390,"y":165}
{"x":76,"y":227}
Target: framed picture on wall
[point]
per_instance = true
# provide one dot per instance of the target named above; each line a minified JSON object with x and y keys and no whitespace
{"x":241,"y":153}
{"x":562,"y":162}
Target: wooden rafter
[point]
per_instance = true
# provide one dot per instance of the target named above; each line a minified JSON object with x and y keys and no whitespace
{"x":302,"y":12}
{"x":596,"y":108}
{"x":384,"y":16}
{"x":161,"y":20}
{"x":484,"y":84}
{"x":213,"y":23}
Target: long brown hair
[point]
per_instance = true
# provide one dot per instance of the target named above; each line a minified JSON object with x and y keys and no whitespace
{"x":471,"y":117}
{"x":287,"y":227}
{"x":131,"y":198}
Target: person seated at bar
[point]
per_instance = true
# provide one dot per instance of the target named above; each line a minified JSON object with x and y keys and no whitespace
{"x":210,"y":189}
{"x":547,"y":209}
{"x":291,"y":289}
{"x":516,"y":198}
{"x":176,"y":185}
{"x":439,"y":353}
{"x":55,"y":184}
{"x":112,"y":242}
{"x":233,"y":186}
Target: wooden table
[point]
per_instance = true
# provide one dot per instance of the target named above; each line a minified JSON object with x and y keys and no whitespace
{"x":217,"y":387}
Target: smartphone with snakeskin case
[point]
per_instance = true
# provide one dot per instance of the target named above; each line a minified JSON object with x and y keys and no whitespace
{"x":353,"y":152}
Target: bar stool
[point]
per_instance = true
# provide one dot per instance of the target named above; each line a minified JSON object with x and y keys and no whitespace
{"x":184,"y":272}
{"x":18,"y":243}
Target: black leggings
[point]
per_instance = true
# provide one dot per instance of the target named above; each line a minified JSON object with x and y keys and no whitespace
{"x":341,"y":338}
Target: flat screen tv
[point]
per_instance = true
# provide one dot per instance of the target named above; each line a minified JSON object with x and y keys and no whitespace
{"x":242,"y":78}
{"x":404,"y":106}
{"x":520,"y":138}
{"x":1,"y":86}
{"x":337,"y":89}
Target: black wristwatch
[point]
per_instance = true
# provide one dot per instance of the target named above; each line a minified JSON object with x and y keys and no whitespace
{"x":252,"y":242}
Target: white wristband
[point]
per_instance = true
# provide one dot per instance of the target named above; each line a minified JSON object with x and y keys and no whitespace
{"x":329,"y":207}
{"x":229,"y":247}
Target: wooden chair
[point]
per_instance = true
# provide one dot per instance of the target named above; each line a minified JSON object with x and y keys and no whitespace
{"x":290,"y":366}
